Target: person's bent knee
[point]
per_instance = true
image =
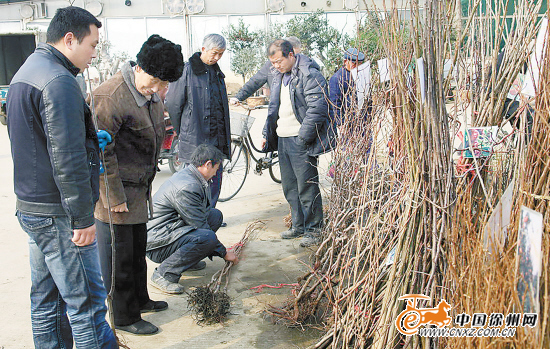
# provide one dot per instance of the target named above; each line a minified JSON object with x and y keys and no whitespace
{"x":208,"y":240}
{"x":215,"y":219}
{"x":154,"y":256}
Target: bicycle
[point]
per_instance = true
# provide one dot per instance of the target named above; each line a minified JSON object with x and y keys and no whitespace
{"x":236,"y":170}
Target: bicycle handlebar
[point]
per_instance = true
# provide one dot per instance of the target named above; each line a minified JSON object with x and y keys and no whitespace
{"x":246,"y":107}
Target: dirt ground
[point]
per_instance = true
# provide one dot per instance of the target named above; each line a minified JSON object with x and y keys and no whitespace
{"x":266,"y":260}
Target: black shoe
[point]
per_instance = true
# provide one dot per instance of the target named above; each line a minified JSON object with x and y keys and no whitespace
{"x":154,"y":306}
{"x":223,"y":225}
{"x":200,"y":265}
{"x":291,"y":234}
{"x":140,"y":328}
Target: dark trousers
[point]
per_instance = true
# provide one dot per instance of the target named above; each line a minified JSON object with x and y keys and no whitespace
{"x":189,"y":249}
{"x":130,"y":292}
{"x":216,"y":186}
{"x":300,"y":181}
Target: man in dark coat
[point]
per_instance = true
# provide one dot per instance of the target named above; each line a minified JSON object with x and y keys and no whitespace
{"x":263,"y":76}
{"x":342,"y":88}
{"x":198,"y":106}
{"x":298,"y":127}
{"x":183,"y":229}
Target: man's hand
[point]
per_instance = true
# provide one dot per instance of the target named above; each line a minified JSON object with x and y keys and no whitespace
{"x":120,"y":208}
{"x":230,"y":256}
{"x":234,"y":101}
{"x":264,"y":141}
{"x":84,"y":237}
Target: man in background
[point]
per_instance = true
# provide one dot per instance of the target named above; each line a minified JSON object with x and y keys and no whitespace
{"x":342,"y":87}
{"x":198,"y":106}
{"x":297,"y":127}
{"x":263,"y":76}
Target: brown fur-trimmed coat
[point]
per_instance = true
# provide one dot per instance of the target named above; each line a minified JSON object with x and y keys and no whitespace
{"x":137,"y":128}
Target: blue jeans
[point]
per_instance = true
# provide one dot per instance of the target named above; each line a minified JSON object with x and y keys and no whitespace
{"x":66,"y":280}
{"x":300,"y":181}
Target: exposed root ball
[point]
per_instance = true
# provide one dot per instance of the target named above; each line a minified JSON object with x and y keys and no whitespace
{"x":210,"y":307}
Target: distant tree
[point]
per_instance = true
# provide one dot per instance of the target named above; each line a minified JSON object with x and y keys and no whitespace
{"x":319,"y":39}
{"x":107,"y":62}
{"x":245,"y":45}
{"x":368,"y":38}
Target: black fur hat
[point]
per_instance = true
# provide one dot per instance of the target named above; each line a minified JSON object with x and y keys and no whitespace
{"x":161,"y":58}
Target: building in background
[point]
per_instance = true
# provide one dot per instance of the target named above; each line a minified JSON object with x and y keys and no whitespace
{"x":128,"y":23}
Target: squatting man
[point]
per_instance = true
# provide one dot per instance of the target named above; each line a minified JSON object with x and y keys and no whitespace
{"x":183,"y":229}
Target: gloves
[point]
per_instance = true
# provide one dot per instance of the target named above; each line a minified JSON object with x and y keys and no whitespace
{"x":234,"y":101}
{"x":104,"y":138}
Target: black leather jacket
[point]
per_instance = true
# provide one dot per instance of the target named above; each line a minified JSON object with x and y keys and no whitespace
{"x":181,"y":205}
{"x":53,"y":141}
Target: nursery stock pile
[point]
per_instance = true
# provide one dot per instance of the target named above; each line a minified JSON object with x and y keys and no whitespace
{"x":407,"y":213}
{"x":211,"y":304}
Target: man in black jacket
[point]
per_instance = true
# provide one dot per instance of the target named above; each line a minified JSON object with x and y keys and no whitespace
{"x":298,"y":127}
{"x":198,"y":106}
{"x":263,"y":76}
{"x":56,"y":169}
{"x":183,"y":229}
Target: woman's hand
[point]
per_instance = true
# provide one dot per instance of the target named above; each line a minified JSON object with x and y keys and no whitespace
{"x":120,"y":208}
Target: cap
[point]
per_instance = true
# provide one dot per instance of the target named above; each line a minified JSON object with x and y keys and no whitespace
{"x":353,"y":54}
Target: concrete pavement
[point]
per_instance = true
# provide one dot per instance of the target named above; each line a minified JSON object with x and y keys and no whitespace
{"x":267,"y":260}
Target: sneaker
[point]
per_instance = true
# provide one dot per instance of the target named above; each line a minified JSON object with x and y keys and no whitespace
{"x":310,"y":240}
{"x":200,"y":265}
{"x":154,"y":306}
{"x":164,"y":285}
{"x":291,"y":234}
{"x":140,"y":328}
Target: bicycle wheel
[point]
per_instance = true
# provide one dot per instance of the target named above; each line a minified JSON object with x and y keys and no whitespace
{"x":234,"y":171}
{"x":174,"y":162}
{"x":274,"y":169}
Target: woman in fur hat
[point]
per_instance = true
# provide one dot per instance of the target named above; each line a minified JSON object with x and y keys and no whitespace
{"x":129,"y":108}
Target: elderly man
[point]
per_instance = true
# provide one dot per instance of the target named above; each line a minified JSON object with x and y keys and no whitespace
{"x":128,"y":107}
{"x":56,"y":179}
{"x":342,"y":89}
{"x":297,"y":126}
{"x":198,"y":106}
{"x":263,"y":76}
{"x":183,"y":229}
